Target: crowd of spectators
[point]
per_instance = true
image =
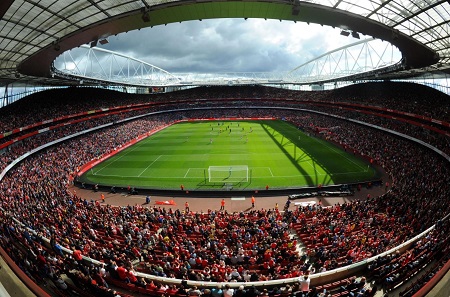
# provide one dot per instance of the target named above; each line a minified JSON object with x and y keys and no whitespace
{"x":411,"y":98}
{"x":438,"y":140}
{"x":392,"y":269}
{"x":417,"y":285}
{"x":216,"y":245}
{"x":52,"y":104}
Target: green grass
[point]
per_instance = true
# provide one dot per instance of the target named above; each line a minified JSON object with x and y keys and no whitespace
{"x":276,"y":153}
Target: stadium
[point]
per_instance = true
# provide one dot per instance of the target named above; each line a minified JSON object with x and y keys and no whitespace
{"x":238,"y":184}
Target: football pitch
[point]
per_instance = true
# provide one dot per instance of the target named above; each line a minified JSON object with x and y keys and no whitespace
{"x":230,"y":155}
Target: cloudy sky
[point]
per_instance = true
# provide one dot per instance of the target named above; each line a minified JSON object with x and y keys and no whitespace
{"x":226,"y":45}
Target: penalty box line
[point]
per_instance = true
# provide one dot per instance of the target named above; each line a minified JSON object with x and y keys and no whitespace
{"x":266,"y":168}
{"x":194,"y":168}
{"x":136,"y":146}
{"x":149,"y":165}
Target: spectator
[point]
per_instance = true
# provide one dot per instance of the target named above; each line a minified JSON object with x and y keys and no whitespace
{"x":252,"y":292}
{"x":217,"y":291}
{"x":304,"y":284}
{"x":228,"y":291}
{"x":59,"y":282}
{"x":194,"y":291}
{"x":240,"y":292}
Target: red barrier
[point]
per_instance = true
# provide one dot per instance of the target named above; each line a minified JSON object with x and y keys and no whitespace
{"x":8,"y":143}
{"x":411,"y":122}
{"x":439,"y":122}
{"x":148,"y":104}
{"x":66,"y":117}
{"x":114,"y":110}
{"x":22,"y":276}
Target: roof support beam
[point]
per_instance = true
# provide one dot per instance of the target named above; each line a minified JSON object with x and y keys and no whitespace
{"x":418,"y":12}
{"x":99,"y":8}
{"x":415,"y":53}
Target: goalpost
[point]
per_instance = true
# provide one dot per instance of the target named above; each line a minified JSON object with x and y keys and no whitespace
{"x":228,"y":174}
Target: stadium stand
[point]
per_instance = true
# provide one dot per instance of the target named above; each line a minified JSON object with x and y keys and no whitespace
{"x":49,"y":231}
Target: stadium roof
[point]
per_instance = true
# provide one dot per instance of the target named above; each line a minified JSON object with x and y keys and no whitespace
{"x":34,"y":32}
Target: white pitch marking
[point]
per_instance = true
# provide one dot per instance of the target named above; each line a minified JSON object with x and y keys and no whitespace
{"x":149,"y":165}
{"x":135,"y":146}
{"x":125,"y":152}
{"x":343,"y":155}
{"x":314,"y":168}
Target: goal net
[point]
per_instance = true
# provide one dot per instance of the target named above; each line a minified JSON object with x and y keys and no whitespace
{"x":228,"y":174}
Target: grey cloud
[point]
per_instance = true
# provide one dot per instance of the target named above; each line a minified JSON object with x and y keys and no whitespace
{"x":211,"y":46}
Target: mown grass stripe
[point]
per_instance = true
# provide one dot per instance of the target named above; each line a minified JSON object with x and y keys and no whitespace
{"x":276,"y":152}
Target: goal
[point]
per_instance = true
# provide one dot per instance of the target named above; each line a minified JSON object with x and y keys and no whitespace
{"x":228,"y":174}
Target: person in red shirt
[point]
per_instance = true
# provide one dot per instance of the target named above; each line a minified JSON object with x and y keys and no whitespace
{"x":151,"y":286}
{"x":41,"y":260}
{"x":198,"y":262}
{"x":76,"y":254}
{"x":132,"y":276}
{"x":204,"y":263}
{"x":122,"y":272}
{"x":222,"y":204}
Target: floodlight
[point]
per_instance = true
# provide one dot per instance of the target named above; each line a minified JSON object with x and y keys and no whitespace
{"x":146,"y":17}
{"x":296,"y":7}
{"x":355,"y":35}
{"x":345,"y":33}
{"x":56,"y":45}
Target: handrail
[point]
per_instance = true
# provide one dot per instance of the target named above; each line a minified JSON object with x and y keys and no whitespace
{"x":433,"y":281}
